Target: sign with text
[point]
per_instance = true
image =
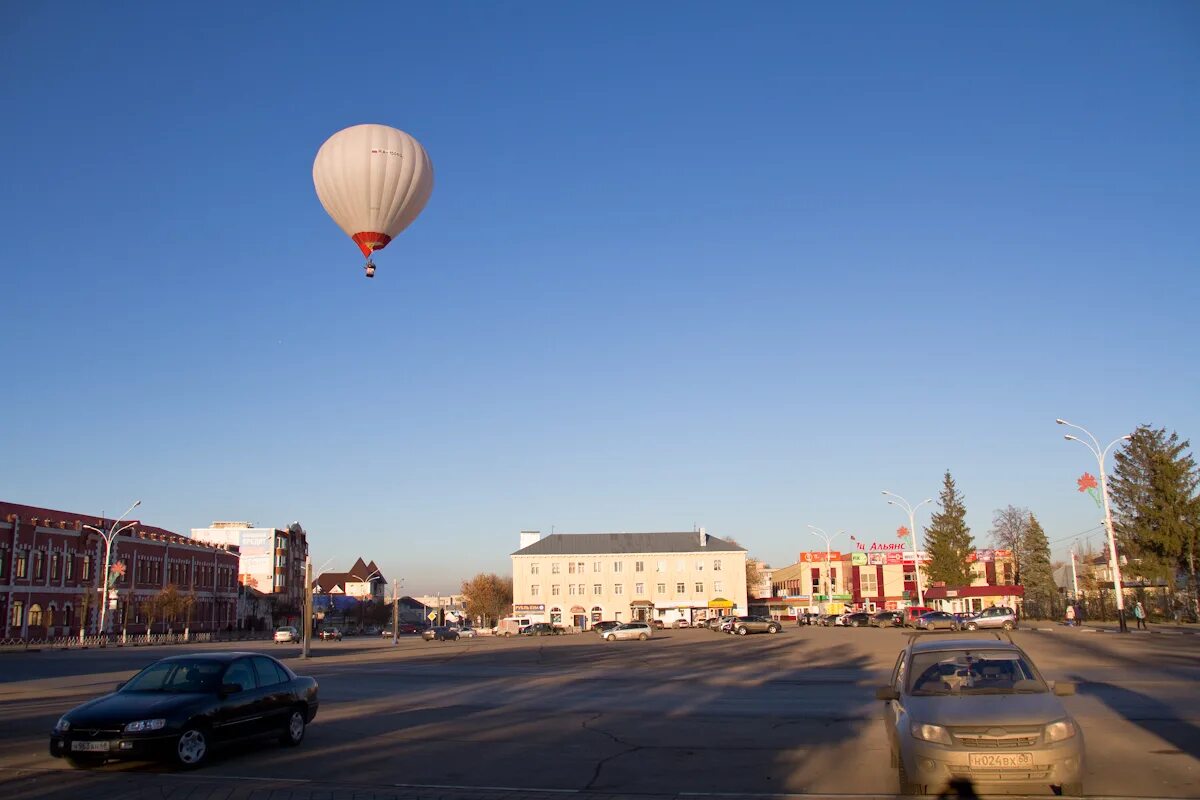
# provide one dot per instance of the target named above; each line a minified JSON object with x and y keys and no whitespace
{"x":819,"y":556}
{"x":526,"y":608}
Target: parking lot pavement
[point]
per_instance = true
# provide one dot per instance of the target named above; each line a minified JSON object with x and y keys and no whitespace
{"x":688,"y":713}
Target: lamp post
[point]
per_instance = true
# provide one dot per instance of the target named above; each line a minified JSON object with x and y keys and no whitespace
{"x":820,"y":534}
{"x":900,"y":502}
{"x":307,"y":612}
{"x":1101,"y":455}
{"x":113,"y":532}
{"x":396,"y":584}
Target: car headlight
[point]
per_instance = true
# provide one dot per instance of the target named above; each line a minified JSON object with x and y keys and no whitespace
{"x":62,"y":726}
{"x":1058,"y":731}
{"x":931,"y":733}
{"x":143,"y":725}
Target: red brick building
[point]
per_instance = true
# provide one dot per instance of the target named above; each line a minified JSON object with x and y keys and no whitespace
{"x":49,"y":562}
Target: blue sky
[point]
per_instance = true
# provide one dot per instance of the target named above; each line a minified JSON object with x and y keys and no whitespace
{"x":683,"y":265}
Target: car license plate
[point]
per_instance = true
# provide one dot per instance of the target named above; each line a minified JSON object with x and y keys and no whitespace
{"x":90,"y":747}
{"x":1001,"y":760}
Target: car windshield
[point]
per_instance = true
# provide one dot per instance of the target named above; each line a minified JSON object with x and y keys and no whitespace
{"x":956,"y":672}
{"x":185,"y":675}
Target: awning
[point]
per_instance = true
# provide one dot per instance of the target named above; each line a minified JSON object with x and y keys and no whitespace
{"x":641,"y":604}
{"x":720,"y":602}
{"x":578,"y":610}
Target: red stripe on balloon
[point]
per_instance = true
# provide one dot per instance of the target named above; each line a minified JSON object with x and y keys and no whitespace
{"x":369,"y":242}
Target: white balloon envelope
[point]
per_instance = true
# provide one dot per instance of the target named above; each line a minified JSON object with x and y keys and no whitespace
{"x":373,"y":181}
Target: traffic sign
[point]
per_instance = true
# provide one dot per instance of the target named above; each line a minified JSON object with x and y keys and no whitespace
{"x":432,"y":616}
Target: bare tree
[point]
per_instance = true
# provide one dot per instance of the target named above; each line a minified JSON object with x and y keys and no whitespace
{"x":488,"y":596}
{"x":1010,"y":526}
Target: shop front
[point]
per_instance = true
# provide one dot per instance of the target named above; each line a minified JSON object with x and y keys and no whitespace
{"x":579,"y":617}
{"x":641,"y":610}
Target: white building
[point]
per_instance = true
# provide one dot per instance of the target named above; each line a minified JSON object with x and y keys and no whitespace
{"x":576,"y":579}
{"x":271,"y":559}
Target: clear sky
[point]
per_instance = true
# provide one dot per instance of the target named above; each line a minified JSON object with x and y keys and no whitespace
{"x":684,"y":264}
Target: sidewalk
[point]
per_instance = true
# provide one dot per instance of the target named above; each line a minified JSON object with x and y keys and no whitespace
{"x":1165,"y":628}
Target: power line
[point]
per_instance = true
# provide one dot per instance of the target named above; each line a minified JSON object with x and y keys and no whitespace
{"x":1097,"y":527}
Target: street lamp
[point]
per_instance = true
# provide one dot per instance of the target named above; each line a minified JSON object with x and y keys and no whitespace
{"x":1101,"y":455}
{"x":108,"y":537}
{"x":912,"y":531}
{"x":308,"y":613}
{"x":820,"y":534}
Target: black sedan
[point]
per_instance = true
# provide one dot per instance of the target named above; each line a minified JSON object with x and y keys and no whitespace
{"x":859,"y":619}
{"x":884,"y":619}
{"x":443,"y":633}
{"x":180,"y":707}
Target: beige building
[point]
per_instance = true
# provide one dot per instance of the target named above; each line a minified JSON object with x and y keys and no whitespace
{"x":576,"y":579}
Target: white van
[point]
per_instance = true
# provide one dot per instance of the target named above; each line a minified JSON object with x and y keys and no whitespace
{"x":511,"y":626}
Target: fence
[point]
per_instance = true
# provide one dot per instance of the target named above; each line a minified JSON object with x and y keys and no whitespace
{"x":140,"y":640}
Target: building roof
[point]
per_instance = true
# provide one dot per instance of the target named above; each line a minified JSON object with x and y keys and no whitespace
{"x":941,"y":592}
{"x":570,"y":544}
{"x":798,"y":571}
{"x":73,"y":521}
{"x":328,"y":581}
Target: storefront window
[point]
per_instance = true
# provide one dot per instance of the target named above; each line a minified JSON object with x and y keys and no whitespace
{"x":555,"y":616}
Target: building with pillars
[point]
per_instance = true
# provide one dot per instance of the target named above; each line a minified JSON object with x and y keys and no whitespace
{"x":50,"y":575}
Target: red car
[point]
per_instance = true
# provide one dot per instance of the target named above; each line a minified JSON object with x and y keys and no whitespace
{"x":408,"y":627}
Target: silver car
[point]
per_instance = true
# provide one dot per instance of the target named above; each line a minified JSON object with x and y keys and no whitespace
{"x":995,"y":617}
{"x":629,"y":630}
{"x":978,"y":709}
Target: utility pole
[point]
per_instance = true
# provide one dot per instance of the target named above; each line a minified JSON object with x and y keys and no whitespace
{"x":395,"y":611}
{"x":308,"y":608}
{"x":1074,"y":577}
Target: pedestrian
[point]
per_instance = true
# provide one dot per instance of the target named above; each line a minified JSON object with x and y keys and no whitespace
{"x":1139,"y":614}
{"x":1070,"y":615}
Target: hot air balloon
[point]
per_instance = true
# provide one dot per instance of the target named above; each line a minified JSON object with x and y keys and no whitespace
{"x":373,"y":180}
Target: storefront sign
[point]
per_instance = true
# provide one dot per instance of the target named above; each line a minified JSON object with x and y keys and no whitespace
{"x":878,"y":559}
{"x":894,"y":558}
{"x":881,"y":547}
{"x":527,"y":608}
{"x":858,"y":559}
{"x":819,"y":557}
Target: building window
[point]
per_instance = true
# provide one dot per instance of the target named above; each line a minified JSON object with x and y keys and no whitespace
{"x":533,"y":569}
{"x":596,"y":588}
{"x":718,"y":587}
{"x":555,"y":568}
{"x":639,"y":589}
{"x":662,"y":566}
{"x":579,"y":567}
{"x":618,"y":566}
{"x":69,"y":563}
{"x":554,"y":590}
{"x":22,"y":566}
{"x":717,"y":565}
{"x":699,"y":588}
{"x":909,"y":575}
{"x":618,"y":588}
{"x":35,"y":614}
{"x":662,"y":588}
{"x":39,"y":570}
{"x":87,"y":568}
{"x":17,"y":614}
{"x":699,"y":566}
{"x":868,"y":581}
{"x":680,"y":588}
{"x":816,"y":581}
{"x":1,"y":563}
{"x":639,"y":566}
{"x":533,"y":590}
{"x":833,"y":581}
{"x":67,"y":615}
{"x":570,"y":588}
{"x":571,"y":568}
{"x":556,"y":616}
{"x":595,"y":566}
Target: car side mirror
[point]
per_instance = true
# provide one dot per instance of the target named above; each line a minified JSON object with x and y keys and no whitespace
{"x":886,"y":693}
{"x":1064,"y":688}
{"x":230,"y":688}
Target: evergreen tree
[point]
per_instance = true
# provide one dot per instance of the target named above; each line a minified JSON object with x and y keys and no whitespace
{"x":948,"y":539}
{"x":1037,"y":571}
{"x":1156,"y":509}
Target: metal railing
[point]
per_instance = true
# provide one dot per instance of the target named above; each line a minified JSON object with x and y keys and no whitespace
{"x":130,"y":640}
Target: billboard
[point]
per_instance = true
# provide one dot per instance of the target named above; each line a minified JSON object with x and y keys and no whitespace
{"x":819,"y":556}
{"x":257,"y":563}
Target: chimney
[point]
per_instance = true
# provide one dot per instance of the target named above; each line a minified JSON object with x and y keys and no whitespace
{"x":703,"y":538}
{"x":530,"y":537}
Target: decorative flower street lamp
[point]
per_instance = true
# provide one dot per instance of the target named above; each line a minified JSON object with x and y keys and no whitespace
{"x":902,"y":532}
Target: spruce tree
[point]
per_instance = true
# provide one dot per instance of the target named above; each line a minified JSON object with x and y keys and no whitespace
{"x":1156,"y":510}
{"x":948,"y":539}
{"x":1037,"y":572}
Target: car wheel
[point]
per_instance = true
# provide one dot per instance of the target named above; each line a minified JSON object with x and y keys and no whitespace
{"x":854,"y":624}
{"x":191,"y":750}
{"x":84,"y":762}
{"x":1008,"y":626}
{"x":971,"y":626}
{"x":773,"y":629}
{"x":907,"y":788}
{"x":642,"y":637}
{"x":742,"y":631}
{"x":610,"y":638}
{"x":293,"y":731}
{"x":507,"y":634}
{"x":954,"y":626}
{"x":1071,"y":789}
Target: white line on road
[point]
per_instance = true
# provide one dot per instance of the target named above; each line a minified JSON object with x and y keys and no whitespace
{"x":483,"y":788}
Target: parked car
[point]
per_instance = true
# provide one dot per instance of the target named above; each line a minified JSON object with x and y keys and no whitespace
{"x":752,"y":624}
{"x":602,"y":627}
{"x":467,"y":632}
{"x":440,"y":633}
{"x":405,"y":628}
{"x":910,"y":615}
{"x":331,"y":634}
{"x":286,"y":635}
{"x":980,"y":710}
{"x":808,"y":618}
{"x":995,"y":617}
{"x":681,"y":623}
{"x":657,"y":624}
{"x":629,"y":630}
{"x":935,"y":620}
{"x":540,"y":629}
{"x":179,"y":708}
{"x":859,"y":619}
{"x":884,"y":619}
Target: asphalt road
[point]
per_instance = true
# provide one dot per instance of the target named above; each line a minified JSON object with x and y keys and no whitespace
{"x":689,"y":713}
